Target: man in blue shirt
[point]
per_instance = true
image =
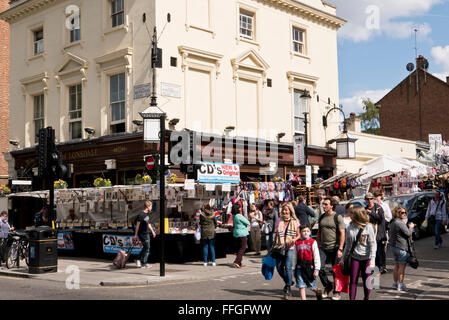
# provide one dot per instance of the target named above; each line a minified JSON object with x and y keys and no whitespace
{"x":4,"y":229}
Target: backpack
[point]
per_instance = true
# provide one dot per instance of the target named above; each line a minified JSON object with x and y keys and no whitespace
{"x":336,"y":225}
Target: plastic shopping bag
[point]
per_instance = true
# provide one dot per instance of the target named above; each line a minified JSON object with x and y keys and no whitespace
{"x":341,"y":281}
{"x":268,"y":264}
{"x":197,"y":234}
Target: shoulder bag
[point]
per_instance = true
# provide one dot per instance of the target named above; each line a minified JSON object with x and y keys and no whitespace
{"x":277,"y":249}
{"x":347,"y":261}
{"x":412,"y":260}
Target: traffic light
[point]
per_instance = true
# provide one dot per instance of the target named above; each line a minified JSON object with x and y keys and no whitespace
{"x":49,"y":157}
{"x":43,"y":152}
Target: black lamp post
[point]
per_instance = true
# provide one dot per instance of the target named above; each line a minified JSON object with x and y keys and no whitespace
{"x":305,"y":97}
{"x":154,"y":131}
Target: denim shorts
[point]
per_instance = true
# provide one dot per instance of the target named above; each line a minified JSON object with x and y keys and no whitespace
{"x":400,"y":256}
{"x":302,"y":283}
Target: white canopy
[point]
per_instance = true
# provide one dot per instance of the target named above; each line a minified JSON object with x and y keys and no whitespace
{"x":389,"y":164}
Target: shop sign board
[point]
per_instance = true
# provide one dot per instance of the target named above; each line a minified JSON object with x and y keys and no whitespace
{"x":65,"y":241}
{"x":298,"y":150}
{"x":308,"y":176}
{"x":435,"y":141}
{"x":209,"y":172}
{"x":112,"y":243}
{"x":170,"y":90}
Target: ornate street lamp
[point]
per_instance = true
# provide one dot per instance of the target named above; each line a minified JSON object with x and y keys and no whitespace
{"x":345,"y":143}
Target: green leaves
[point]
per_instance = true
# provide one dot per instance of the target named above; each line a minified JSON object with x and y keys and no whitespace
{"x":370,"y":118}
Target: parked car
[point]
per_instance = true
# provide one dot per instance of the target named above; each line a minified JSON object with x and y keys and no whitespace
{"x":358,"y":202}
{"x":416,"y":205}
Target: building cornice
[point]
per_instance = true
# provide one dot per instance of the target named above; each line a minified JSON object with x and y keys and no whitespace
{"x":24,"y":9}
{"x":314,"y":14}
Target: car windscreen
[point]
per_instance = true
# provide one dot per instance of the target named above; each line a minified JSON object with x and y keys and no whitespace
{"x":399,"y":200}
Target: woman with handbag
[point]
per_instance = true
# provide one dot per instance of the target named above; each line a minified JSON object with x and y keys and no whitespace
{"x":240,"y":232}
{"x":256,"y":218}
{"x":359,"y":254}
{"x":399,"y":239}
{"x":284,"y":250}
{"x":271,"y":217}
{"x":208,"y":224}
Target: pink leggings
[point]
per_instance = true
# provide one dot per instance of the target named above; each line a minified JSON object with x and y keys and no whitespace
{"x":357,"y":267}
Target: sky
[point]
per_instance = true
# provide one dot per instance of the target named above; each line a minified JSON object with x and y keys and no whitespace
{"x":378,"y":41}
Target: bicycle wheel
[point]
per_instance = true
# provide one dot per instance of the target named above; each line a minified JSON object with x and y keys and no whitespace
{"x":26,"y":253}
{"x":12,"y":256}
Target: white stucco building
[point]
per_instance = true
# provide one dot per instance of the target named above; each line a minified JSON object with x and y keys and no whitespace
{"x":239,"y":63}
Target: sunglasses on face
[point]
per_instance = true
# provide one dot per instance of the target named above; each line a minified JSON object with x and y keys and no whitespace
{"x":403,"y":212}
{"x":369,"y":199}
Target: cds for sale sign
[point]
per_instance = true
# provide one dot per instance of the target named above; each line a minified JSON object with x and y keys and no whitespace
{"x":209,"y":172}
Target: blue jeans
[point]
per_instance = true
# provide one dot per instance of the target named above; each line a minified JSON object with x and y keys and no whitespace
{"x":208,"y":243}
{"x":285,"y":267}
{"x":437,"y":230}
{"x":145,"y":253}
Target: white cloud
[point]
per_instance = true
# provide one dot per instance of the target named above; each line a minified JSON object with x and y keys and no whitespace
{"x":369,"y":18}
{"x":440,"y":56}
{"x":354,"y":103}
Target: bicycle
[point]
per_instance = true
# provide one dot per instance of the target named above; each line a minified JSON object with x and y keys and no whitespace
{"x":17,"y":250}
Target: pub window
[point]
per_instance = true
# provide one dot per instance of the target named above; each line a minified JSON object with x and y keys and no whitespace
{"x":300,"y":108}
{"x":247,"y":24}
{"x":117,"y":12}
{"x":117,"y":99}
{"x":75,"y":111}
{"x":75,"y":33}
{"x":38,"y":41}
{"x":38,"y":115}
{"x":298,"y":40}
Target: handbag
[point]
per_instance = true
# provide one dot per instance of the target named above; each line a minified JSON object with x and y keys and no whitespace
{"x":347,"y":261}
{"x":341,"y":280}
{"x":268,"y":265}
{"x":277,"y":250}
{"x":412,"y":260}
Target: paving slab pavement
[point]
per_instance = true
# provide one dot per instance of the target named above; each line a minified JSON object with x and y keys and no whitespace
{"x":96,"y":272}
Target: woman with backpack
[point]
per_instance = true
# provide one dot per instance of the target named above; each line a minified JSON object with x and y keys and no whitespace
{"x":287,"y":233}
{"x":208,"y":224}
{"x":361,"y":246}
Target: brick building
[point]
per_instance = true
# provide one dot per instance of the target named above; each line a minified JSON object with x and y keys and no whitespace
{"x":4,"y":93}
{"x":416,"y":107}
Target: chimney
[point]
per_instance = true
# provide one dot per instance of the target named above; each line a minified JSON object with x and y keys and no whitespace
{"x":353,"y":123}
{"x":420,"y":62}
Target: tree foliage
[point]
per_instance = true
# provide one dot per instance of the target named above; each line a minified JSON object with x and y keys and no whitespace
{"x":370,"y":117}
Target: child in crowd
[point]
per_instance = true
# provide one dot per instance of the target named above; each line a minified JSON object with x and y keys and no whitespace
{"x":308,"y":265}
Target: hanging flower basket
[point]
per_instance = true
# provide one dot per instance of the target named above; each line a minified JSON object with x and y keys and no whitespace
{"x":170,"y":177}
{"x":146,"y":179}
{"x":4,"y":191}
{"x":60,"y":184}
{"x":100,"y":182}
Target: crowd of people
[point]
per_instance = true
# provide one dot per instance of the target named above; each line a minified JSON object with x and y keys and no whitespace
{"x":350,"y":235}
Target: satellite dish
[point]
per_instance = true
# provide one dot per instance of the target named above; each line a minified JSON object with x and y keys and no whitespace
{"x":410,"y":67}
{"x":425,"y":64}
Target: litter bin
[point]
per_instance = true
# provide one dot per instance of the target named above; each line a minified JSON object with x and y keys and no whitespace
{"x":43,"y":250}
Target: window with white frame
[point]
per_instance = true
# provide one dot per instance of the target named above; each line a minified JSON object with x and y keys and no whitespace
{"x":300,"y":108}
{"x":117,"y":100}
{"x":38,"y":41}
{"x":75,"y":33}
{"x":38,"y":115}
{"x":299,"y":40}
{"x":75,"y":112}
{"x":247,"y":24}
{"x":117,"y":12}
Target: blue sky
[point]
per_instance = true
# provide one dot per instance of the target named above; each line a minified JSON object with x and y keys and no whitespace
{"x":378,"y":41}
